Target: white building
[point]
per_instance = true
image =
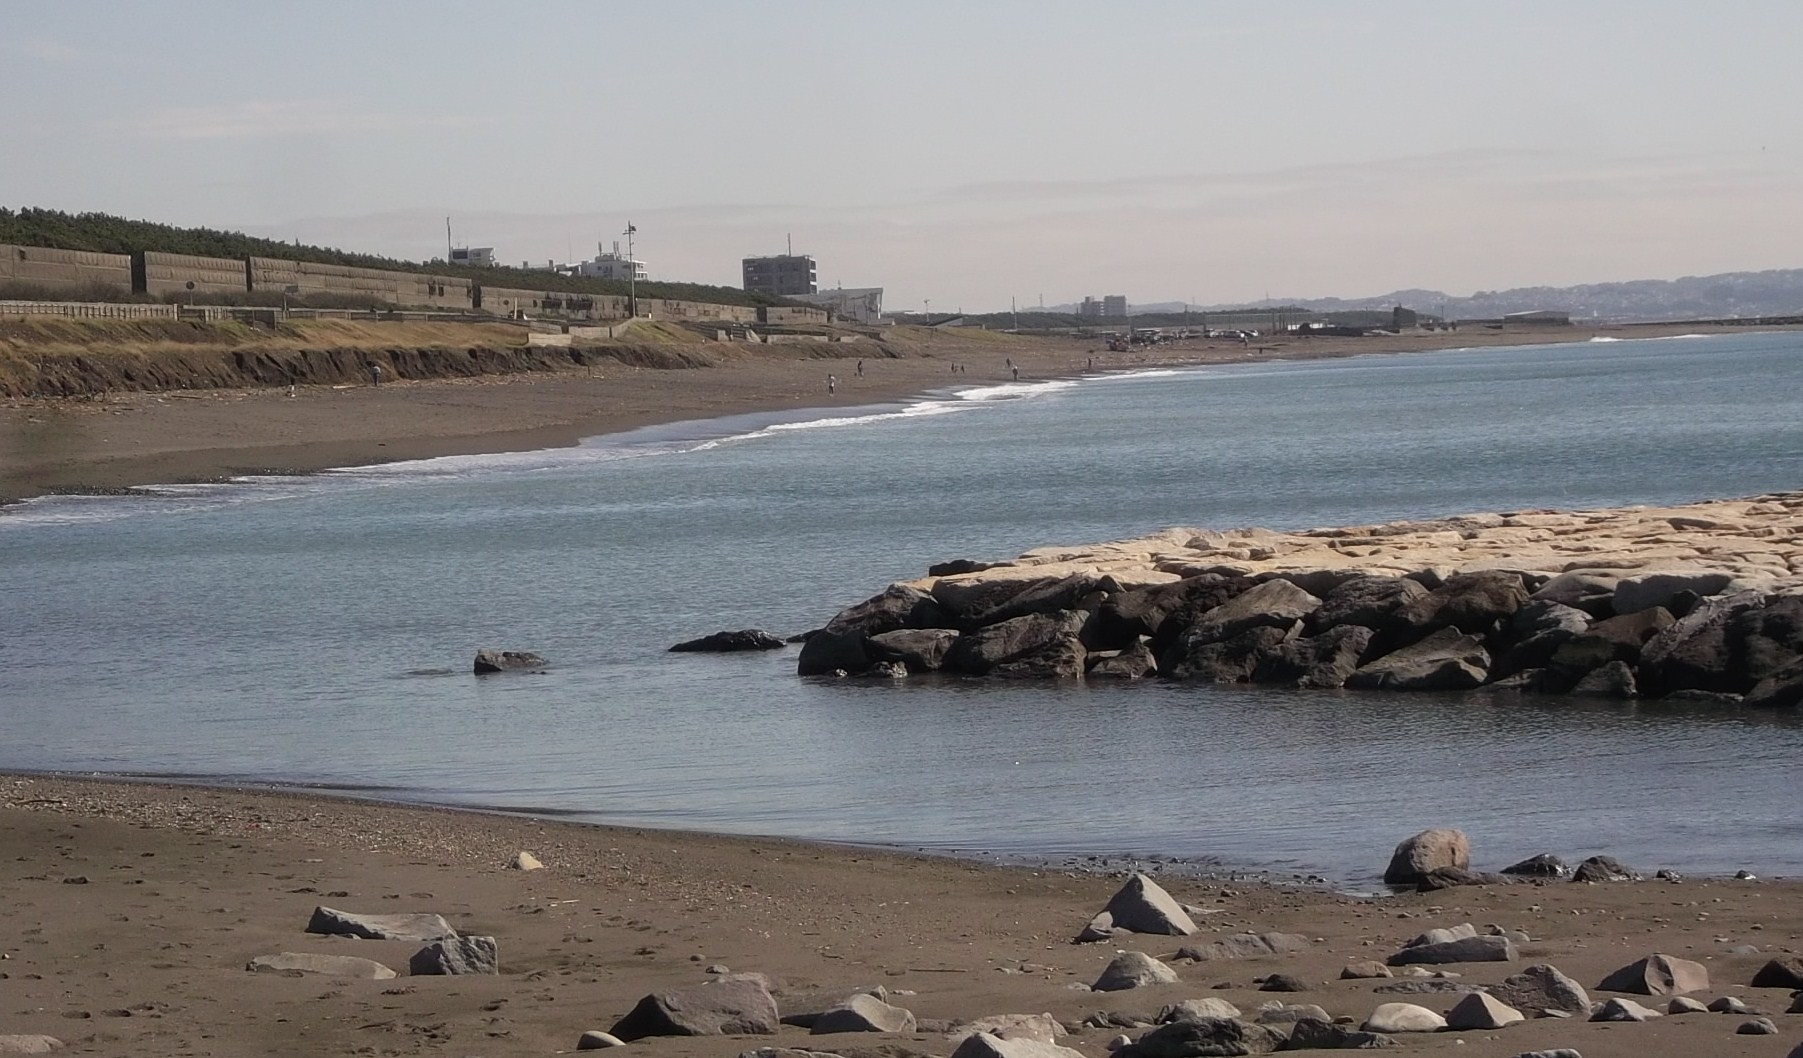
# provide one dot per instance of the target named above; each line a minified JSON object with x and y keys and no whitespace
{"x":857,"y":304}
{"x":612,"y":264}
{"x":474,"y":256}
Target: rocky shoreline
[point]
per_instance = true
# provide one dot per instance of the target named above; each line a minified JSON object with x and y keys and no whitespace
{"x":1701,"y":602}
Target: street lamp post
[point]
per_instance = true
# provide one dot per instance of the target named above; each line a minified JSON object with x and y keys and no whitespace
{"x":632,"y":272}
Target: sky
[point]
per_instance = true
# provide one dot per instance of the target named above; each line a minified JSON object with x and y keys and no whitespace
{"x":967,"y":154}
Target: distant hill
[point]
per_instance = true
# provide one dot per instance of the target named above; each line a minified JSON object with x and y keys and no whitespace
{"x":1730,"y":294}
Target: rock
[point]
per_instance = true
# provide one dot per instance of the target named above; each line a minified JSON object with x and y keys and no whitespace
{"x":525,"y":861}
{"x":1603,"y":869}
{"x":1195,"y":1009}
{"x":1614,"y":680}
{"x":1115,"y":1043}
{"x":1618,"y":639}
{"x":1132,"y":662}
{"x":507,"y":661}
{"x":976,"y":653}
{"x":1044,"y":597}
{"x":1768,"y":639}
{"x":1403,"y":1017}
{"x":1244,"y":946}
{"x":1685,"y":1005}
{"x":732,"y":1006}
{"x":1540,"y":990}
{"x":1272,"y":604}
{"x":1472,"y":603}
{"x":1371,"y":601}
{"x":1622,"y":1010}
{"x":1233,"y":660}
{"x":1290,"y":1013}
{"x":1591,"y":591}
{"x":28,"y":1043}
{"x":1444,"y":934}
{"x":827,"y":652}
{"x":1132,"y":969}
{"x":1648,"y":590}
{"x":1063,"y":659}
{"x":595,"y":1041}
{"x":1783,"y":689}
{"x":1310,"y":1034}
{"x":1468,"y":949}
{"x":1444,"y":661}
{"x":804,"y":1010}
{"x":1324,"y":660}
{"x":1125,"y":617}
{"x":1208,"y":1036}
{"x":1143,"y":906}
{"x":897,"y":606}
{"x":1283,"y":983}
{"x":456,"y":955}
{"x":1480,"y":1011}
{"x":920,"y":649}
{"x":953,"y":567}
{"x":417,"y":927}
{"x":1722,"y":1005}
{"x":1693,"y":652}
{"x":1658,"y":975}
{"x":984,"y":1045}
{"x":1796,"y":1006}
{"x":963,"y":598}
{"x":1556,"y":1052}
{"x":730,"y":642}
{"x":1365,"y":969}
{"x":297,"y":963}
{"x":1757,"y":1027}
{"x":864,"y":1013}
{"x":1452,"y":877}
{"x":1043,"y":1028}
{"x":1428,"y":987}
{"x":1543,"y":865}
{"x":1100,"y":928}
{"x":1434,"y":847}
{"x":886,"y":670}
{"x":1535,"y":634}
{"x":1786,"y":971}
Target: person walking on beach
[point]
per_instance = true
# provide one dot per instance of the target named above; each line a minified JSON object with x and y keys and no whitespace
{"x":1014,"y":367}
{"x":375,"y":374}
{"x":860,"y":369}
{"x":832,"y":384}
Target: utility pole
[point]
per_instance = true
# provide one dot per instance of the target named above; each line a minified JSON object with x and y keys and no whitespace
{"x":1016,"y":314}
{"x":448,"y":245}
{"x":632,"y":273}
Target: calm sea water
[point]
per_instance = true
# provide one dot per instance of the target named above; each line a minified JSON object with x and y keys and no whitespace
{"x":319,"y":630}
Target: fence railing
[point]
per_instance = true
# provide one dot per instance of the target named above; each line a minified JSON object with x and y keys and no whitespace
{"x":99,"y":310}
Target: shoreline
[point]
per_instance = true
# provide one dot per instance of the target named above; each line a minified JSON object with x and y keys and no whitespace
{"x":136,"y":439}
{"x":139,"y":905}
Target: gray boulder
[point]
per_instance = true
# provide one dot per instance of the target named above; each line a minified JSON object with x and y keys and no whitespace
{"x":1785,"y":971}
{"x":418,"y":927}
{"x":1062,"y":659}
{"x":732,"y":1006}
{"x":1364,"y":969}
{"x":456,"y":955}
{"x":897,"y":606}
{"x":1556,"y":1052}
{"x":1614,"y":680}
{"x":1658,"y":975}
{"x":1446,"y":660}
{"x":1244,"y":946}
{"x":863,"y":1013}
{"x":1757,"y":1027}
{"x":1720,"y":1005}
{"x":1272,"y":604}
{"x":1542,"y":865}
{"x":965,"y":599}
{"x":1204,"y":1037}
{"x":1131,"y":662}
{"x":1685,"y":1005}
{"x":507,"y":661}
{"x":1143,"y":906}
{"x":1622,"y":1010}
{"x":1074,"y":592}
{"x":1403,"y":1017}
{"x":976,"y":653}
{"x":1370,"y":601}
{"x":298,"y":963}
{"x":1290,"y":1013}
{"x":1616,"y":639}
{"x":595,"y":1040}
{"x":1453,"y":877}
{"x":1542,"y":991}
{"x":920,"y":649}
{"x":1203,"y":660}
{"x":1041,"y":1027}
{"x":1473,"y":603}
{"x":1133,"y":969}
{"x":1647,"y":590}
{"x":1125,"y":617}
{"x":985,"y":1045}
{"x":1436,"y":847}
{"x":1324,"y":660}
{"x":1480,"y":1011}
{"x":28,"y":1043}
{"x":730,"y":642}
{"x":1310,"y":1034}
{"x":1197,"y":1009}
{"x":1589,"y":590}
{"x":1535,"y":633}
{"x":1693,"y":652}
{"x":1783,"y":689}
{"x":827,"y":651}
{"x":1468,"y":949}
{"x":1603,"y":869}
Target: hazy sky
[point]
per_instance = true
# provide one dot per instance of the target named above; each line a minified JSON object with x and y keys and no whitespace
{"x":962,"y":152}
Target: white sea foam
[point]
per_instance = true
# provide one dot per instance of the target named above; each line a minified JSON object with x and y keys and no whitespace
{"x":1652,"y":337}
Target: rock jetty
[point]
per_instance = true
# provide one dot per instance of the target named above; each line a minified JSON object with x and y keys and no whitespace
{"x":1701,"y":602}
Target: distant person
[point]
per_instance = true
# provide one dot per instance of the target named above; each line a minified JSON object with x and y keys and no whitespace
{"x":1016,"y":369}
{"x":860,"y":369}
{"x":832,"y":384}
{"x":375,"y":374}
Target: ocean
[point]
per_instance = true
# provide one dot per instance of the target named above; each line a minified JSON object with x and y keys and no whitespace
{"x":318,"y":631}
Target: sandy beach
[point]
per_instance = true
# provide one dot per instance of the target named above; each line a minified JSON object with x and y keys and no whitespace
{"x":135,"y":909}
{"x":128,"y":439}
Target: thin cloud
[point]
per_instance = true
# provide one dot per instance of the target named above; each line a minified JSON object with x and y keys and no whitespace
{"x":293,"y":117}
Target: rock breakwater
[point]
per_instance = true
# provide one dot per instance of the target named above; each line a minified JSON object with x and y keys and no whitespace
{"x":1700,"y":602}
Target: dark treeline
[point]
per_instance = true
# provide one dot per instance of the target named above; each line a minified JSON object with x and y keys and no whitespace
{"x":105,"y":233}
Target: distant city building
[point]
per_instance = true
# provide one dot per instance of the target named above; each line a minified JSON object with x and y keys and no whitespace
{"x":612,"y":264}
{"x":474,"y":256}
{"x":1111,"y":305}
{"x":858,"y":304}
{"x":784,"y":275}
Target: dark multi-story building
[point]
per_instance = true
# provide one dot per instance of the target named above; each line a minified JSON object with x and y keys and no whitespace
{"x":782,"y":275}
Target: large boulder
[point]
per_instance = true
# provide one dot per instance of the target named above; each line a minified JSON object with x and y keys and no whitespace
{"x":920,"y":649}
{"x":1125,"y":616}
{"x":1693,"y":652}
{"x":1143,"y":906}
{"x":1480,"y":1011}
{"x":1589,"y":590}
{"x":1041,"y":1027}
{"x":1312,"y":1034}
{"x":1467,"y":949}
{"x":1536,"y":631}
{"x":986,"y":1045}
{"x":1785,"y":971}
{"x":730,"y":642}
{"x":1244,"y":946}
{"x":1614,"y":680}
{"x":1768,"y":640}
{"x":1075,"y":592}
{"x":1131,"y":662}
{"x":1542,"y":991}
{"x":28,"y":1043}
{"x":1473,"y":603}
{"x":975,"y":653}
{"x":1783,"y":689}
{"x":827,"y":651}
{"x":456,"y":955}
{"x":1324,"y":660}
{"x":1133,"y":969}
{"x":1196,"y":1010}
{"x":1615,"y":639}
{"x":1540,"y":865}
{"x":295,"y":964}
{"x":1618,"y":1009}
{"x":1369,"y":601}
{"x":1658,"y":975}
{"x":1603,"y":869}
{"x":1199,"y":659}
{"x":964,"y":599}
{"x":1436,"y":847}
{"x":418,"y":927}
{"x":732,"y":1006}
{"x":1446,"y":660}
{"x":864,"y":1013}
{"x":488,"y":661}
{"x":1062,"y":659}
{"x":1272,"y":604}
{"x":1643,"y":591}
{"x":897,"y":606}
{"x":1403,"y":1017}
{"x":1203,"y":1037}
